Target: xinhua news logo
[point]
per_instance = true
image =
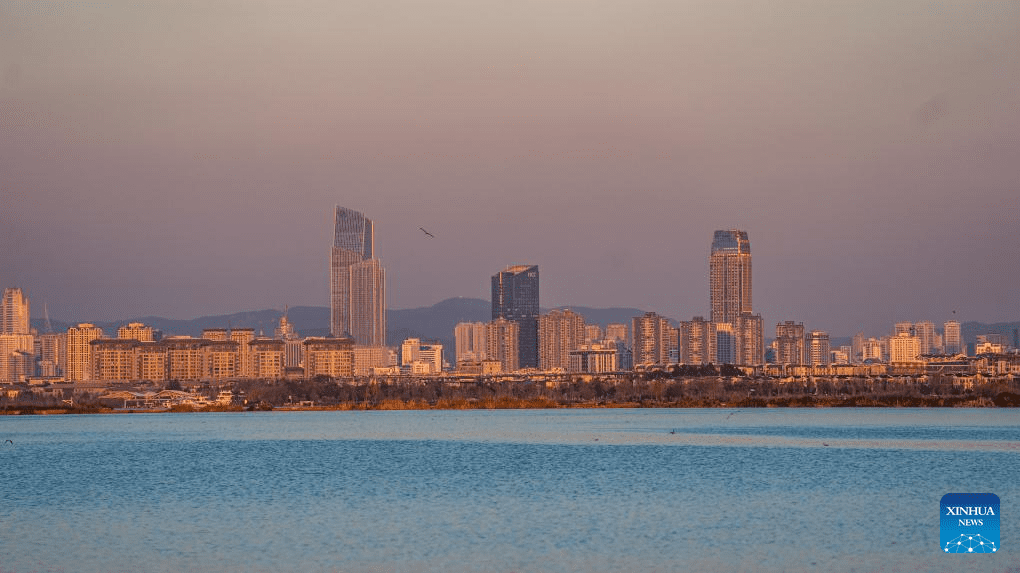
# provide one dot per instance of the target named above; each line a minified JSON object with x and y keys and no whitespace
{"x":969,"y":523}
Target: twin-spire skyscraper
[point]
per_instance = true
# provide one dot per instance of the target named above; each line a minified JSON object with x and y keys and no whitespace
{"x":357,"y":281}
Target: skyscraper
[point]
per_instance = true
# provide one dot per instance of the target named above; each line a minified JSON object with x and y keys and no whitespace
{"x":952,"y":337}
{"x":790,"y":342}
{"x":357,"y":281}
{"x":14,"y":312}
{"x":730,"y":275}
{"x":651,"y":339}
{"x":470,"y":342}
{"x":818,"y":348}
{"x":560,"y":332}
{"x":925,"y":331}
{"x":697,"y":341}
{"x":515,"y":298}
{"x":904,"y":347}
{"x":729,"y":269}
{"x":749,"y":329}
{"x":79,"y":350}
{"x":502,"y":339}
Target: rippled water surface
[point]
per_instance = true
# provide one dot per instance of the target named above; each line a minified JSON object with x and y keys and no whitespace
{"x":500,"y":491}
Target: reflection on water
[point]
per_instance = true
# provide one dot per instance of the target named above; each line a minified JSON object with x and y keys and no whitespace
{"x":553,"y":490}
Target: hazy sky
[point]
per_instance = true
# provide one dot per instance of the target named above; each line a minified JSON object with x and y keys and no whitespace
{"x":183,"y":158}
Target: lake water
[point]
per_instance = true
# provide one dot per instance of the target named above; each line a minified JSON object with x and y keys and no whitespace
{"x":501,"y":491}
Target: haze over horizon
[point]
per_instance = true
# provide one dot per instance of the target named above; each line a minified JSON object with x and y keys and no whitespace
{"x":182,"y":159}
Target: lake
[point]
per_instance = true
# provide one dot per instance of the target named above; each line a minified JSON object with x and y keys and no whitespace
{"x":499,"y":491}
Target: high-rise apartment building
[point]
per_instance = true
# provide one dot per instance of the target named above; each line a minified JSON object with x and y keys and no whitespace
{"x":951,"y":338}
{"x":52,"y":353}
{"x":697,"y":341}
{"x":357,"y":281}
{"x":749,"y":330}
{"x":243,"y":337}
{"x":515,"y":298}
{"x":616,"y":332}
{"x":410,"y":351}
{"x":14,"y":312}
{"x":790,"y":342}
{"x":502,"y":341}
{"x":874,"y":350}
{"x":730,"y":275}
{"x":79,"y":350}
{"x":559,"y":333}
{"x":470,"y":341}
{"x":819,"y":350}
{"x":904,"y":348}
{"x":651,"y":339}
{"x":17,"y":357}
{"x":925,"y":332}
{"x":857,"y":348}
{"x":17,"y":344}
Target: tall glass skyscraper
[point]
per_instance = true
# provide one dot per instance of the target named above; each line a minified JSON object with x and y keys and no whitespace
{"x":952,"y":340}
{"x":730,"y":275}
{"x":357,"y":281}
{"x":729,"y":268}
{"x":14,"y":312}
{"x":515,"y":298}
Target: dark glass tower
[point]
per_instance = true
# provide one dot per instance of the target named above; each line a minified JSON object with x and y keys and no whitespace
{"x":353,"y":232}
{"x":515,"y":298}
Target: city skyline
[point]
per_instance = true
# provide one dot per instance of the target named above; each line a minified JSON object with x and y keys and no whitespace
{"x":869,"y":149}
{"x":556,"y":341}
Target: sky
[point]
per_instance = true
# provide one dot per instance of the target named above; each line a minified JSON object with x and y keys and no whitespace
{"x":183,"y":158}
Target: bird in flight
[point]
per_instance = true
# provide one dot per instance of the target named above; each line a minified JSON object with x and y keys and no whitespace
{"x":426,"y":232}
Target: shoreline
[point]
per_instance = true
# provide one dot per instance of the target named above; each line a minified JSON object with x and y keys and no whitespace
{"x":1005,"y":400}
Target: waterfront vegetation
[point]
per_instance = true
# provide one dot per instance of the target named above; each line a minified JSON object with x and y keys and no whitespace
{"x":633,"y":390}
